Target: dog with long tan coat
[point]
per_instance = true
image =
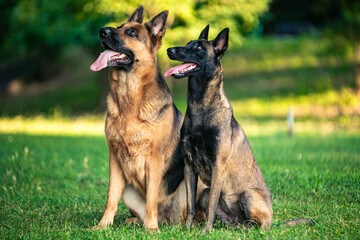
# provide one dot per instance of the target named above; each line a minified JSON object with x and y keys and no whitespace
{"x":142,"y":125}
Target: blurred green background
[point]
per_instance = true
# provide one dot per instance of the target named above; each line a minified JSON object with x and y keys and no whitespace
{"x":299,"y":55}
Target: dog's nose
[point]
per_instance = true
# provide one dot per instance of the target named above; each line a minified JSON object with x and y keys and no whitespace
{"x":171,"y":51}
{"x":105,"y":32}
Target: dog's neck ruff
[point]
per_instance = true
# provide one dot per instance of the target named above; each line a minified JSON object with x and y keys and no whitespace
{"x":205,"y":88}
{"x":137,"y":95}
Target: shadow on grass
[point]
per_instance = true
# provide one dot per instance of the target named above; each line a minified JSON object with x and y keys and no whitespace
{"x":285,"y":82}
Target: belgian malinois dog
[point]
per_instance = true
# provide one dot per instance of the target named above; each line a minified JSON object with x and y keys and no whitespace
{"x":214,"y":145}
{"x":142,"y":125}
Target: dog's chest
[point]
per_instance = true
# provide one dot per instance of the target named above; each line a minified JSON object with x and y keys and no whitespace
{"x":130,"y":148}
{"x":201,"y":143}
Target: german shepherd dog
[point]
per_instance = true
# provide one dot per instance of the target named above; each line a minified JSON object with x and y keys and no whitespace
{"x":142,"y":125}
{"x":214,"y":145}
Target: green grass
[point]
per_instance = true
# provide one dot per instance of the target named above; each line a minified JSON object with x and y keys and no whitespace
{"x":55,"y":187}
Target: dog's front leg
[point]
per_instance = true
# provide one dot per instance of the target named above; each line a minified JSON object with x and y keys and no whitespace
{"x":154,"y":171}
{"x":116,"y":188}
{"x":215,"y":190}
{"x":191,"y":179}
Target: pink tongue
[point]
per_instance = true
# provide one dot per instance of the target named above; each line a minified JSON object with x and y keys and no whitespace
{"x":180,"y":67}
{"x":101,"y":61}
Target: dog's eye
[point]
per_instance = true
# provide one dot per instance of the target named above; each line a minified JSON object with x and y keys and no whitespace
{"x":198,"y":47}
{"x":130,"y":32}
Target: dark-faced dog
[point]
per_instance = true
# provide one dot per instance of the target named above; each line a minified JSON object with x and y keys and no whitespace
{"x":214,"y":144}
{"x":142,"y":125}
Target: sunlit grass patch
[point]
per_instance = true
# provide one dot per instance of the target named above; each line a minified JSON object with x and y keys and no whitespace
{"x":327,"y":112}
{"x":331,"y":103}
{"x":85,"y":125}
{"x":253,"y":124}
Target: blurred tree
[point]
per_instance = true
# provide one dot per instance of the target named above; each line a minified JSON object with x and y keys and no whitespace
{"x":318,"y":13}
{"x":48,"y":27}
{"x":344,"y":23}
{"x":340,"y":18}
{"x":188,"y":17}
{"x":350,"y":28}
{"x":40,"y":30}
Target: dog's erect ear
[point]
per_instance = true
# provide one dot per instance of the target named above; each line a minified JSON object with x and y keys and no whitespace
{"x":220,"y":43}
{"x":157,"y":25}
{"x":138,"y":15}
{"x":204,"y":34}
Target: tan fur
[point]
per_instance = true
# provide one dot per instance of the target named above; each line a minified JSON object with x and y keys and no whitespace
{"x":235,"y":172}
{"x":141,"y":140}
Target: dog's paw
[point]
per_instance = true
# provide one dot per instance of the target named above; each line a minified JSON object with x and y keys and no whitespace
{"x":133,"y":220}
{"x":189,"y":223}
{"x":103,"y":224}
{"x":207,"y":230}
{"x":99,"y":227}
{"x":153,"y":230}
{"x":152,"y":226}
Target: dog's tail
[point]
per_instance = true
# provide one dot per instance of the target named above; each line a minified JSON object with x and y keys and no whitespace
{"x":295,"y":222}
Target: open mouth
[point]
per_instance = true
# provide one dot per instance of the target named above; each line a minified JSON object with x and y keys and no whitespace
{"x":120,"y":58}
{"x":112,"y":59}
{"x":182,"y":70}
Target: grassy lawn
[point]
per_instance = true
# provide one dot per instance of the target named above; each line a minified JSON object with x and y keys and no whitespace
{"x":54,"y":162}
{"x":55,"y":187}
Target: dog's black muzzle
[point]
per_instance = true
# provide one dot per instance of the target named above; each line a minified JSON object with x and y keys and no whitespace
{"x":110,"y":39}
{"x":176,"y":53}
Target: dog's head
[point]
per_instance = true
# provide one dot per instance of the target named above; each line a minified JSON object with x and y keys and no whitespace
{"x":199,"y":56}
{"x":132,"y":43}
